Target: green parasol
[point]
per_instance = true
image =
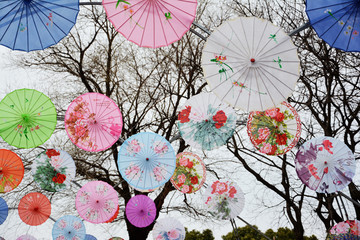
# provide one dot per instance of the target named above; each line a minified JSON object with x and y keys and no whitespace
{"x":27,"y":118}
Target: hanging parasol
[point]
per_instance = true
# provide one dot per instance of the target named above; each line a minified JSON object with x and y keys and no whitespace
{"x":224,"y":200}
{"x":337,"y":22}
{"x":68,"y":228}
{"x":140,"y":211}
{"x":146,"y":161}
{"x":29,"y":25}
{"x":250,"y":64}
{"x":90,"y":237}
{"x":11,"y":170}
{"x":274,"y":131}
{"x":205,"y":122}
{"x":97,"y":202}
{"x":27,"y":118}
{"x":4,"y":210}
{"x":325,"y":164}
{"x":151,"y":23}
{"x":26,"y":237}
{"x":93,"y":122}
{"x":53,"y":170}
{"x":168,"y":228}
{"x":34,"y":209}
{"x":190,"y":173}
{"x":349,"y":229}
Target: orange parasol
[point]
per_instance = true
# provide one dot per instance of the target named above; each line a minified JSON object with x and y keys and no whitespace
{"x":11,"y":170}
{"x":34,"y":209}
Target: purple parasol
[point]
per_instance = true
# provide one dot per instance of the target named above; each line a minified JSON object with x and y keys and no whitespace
{"x":140,"y":211}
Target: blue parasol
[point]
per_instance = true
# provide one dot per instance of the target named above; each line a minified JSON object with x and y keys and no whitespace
{"x":146,"y":161}
{"x":90,"y":237}
{"x":29,"y":25}
{"x":337,"y":22}
{"x":68,"y":227}
{"x":4,"y":210}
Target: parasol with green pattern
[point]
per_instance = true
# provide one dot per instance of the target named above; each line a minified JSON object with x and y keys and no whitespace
{"x":27,"y":118}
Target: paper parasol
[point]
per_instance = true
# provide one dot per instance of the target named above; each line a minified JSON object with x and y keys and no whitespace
{"x":53,"y":170}
{"x":151,"y":23}
{"x":97,"y":202}
{"x":337,"y":22}
{"x":250,"y":64}
{"x":205,"y":122}
{"x":93,"y":122}
{"x":190,"y":173}
{"x":29,"y":25}
{"x":90,"y":237}
{"x":325,"y":164}
{"x":68,"y":228}
{"x":140,"y":211}
{"x":4,"y":210}
{"x":11,"y":170}
{"x":224,"y":200}
{"x":274,"y":131}
{"x":115,"y":216}
{"x":34,"y":209}
{"x":146,"y":161}
{"x":168,"y":228}
{"x":26,"y":237}
{"x":27,"y":118}
{"x":349,"y":229}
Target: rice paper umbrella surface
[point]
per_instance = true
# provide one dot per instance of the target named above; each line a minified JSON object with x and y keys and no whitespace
{"x":4,"y":210}
{"x":168,"y":228}
{"x":349,"y":229}
{"x":26,"y":237}
{"x":34,"y":209}
{"x":11,"y":170}
{"x":69,"y":228}
{"x":140,"y":211}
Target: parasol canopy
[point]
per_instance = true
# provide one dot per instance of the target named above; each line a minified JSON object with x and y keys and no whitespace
{"x":27,"y":118}
{"x":53,"y":170}
{"x":69,"y":228}
{"x":349,"y":229}
{"x":224,"y":200}
{"x":26,"y":237}
{"x":28,"y":25}
{"x":11,"y":170}
{"x":151,"y":23}
{"x":274,"y":131}
{"x":4,"y":210}
{"x":140,"y":211}
{"x":93,"y":122}
{"x":168,"y":228}
{"x":34,"y":209}
{"x":90,"y":237}
{"x":325,"y":164}
{"x":205,"y":122}
{"x":97,"y":202}
{"x":146,"y":161}
{"x":337,"y":22}
{"x":250,"y":64}
{"x":115,"y":216}
{"x":190,"y":173}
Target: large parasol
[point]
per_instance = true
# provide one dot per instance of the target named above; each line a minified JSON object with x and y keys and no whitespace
{"x":140,"y":211}
{"x":69,"y":228}
{"x":34,"y":209}
{"x":11,"y":170}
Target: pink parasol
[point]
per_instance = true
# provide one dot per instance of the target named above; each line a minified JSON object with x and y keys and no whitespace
{"x":140,"y":211}
{"x":96,"y":202}
{"x":151,"y":23}
{"x":93,"y":122}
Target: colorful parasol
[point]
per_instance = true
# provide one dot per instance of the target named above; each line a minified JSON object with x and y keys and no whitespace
{"x":53,"y":170}
{"x":27,"y":118}
{"x":250,"y":64}
{"x":68,"y":228}
{"x":11,"y":170}
{"x":4,"y":210}
{"x":190,"y":173}
{"x":349,"y":229}
{"x":93,"y":122}
{"x":224,"y":200}
{"x":337,"y":22}
{"x":151,"y":23}
{"x":205,"y":122}
{"x":34,"y":209}
{"x":168,"y":228}
{"x":90,"y":237}
{"x":325,"y":164}
{"x":274,"y":131}
{"x":146,"y":161}
{"x":29,"y":25}
{"x":26,"y":237}
{"x":140,"y":211}
{"x":97,"y":202}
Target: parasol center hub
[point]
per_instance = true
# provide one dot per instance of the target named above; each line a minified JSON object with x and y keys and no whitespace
{"x":25,"y":117}
{"x":252,"y":60}
{"x":97,"y":201}
{"x":147,"y":159}
{"x":325,"y":162}
{"x":36,"y":209}
{"x":27,"y":1}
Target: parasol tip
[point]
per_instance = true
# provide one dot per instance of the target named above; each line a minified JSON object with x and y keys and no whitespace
{"x":252,"y":60}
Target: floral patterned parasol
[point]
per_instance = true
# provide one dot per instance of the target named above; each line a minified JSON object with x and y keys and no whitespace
{"x":274,"y":131}
{"x":68,"y":228}
{"x":11,"y":170}
{"x":168,"y":229}
{"x":325,"y":164}
{"x":224,"y":200}
{"x":349,"y":229}
{"x":190,"y":173}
